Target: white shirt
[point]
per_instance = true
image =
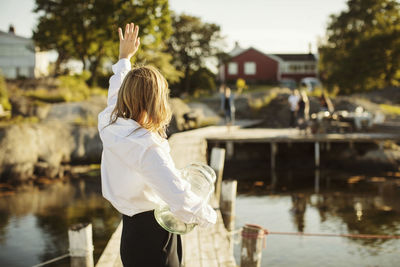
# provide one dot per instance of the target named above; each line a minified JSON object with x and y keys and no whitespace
{"x":137,"y":171}
{"x":293,"y":101}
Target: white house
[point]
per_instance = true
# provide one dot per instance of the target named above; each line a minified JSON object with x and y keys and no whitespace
{"x":20,"y":58}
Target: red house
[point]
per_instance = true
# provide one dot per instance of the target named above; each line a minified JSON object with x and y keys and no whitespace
{"x":253,"y":65}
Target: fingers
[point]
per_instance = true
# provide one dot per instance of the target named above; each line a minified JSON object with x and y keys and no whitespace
{"x":136,"y":33}
{"x":126,"y":31}
{"x":137,"y":42}
{"x":131,"y":33}
{"x":121,"y":37}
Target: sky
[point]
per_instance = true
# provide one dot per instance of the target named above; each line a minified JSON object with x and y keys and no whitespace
{"x":272,"y":26}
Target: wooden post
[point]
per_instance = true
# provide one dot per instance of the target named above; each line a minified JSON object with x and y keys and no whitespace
{"x":81,"y":245}
{"x":351,"y":145}
{"x":227,"y":204}
{"x":274,"y":150}
{"x":317,"y":154}
{"x":229,"y":149}
{"x":316,"y":181}
{"x":328,"y":146}
{"x":217,"y":163}
{"x":252,"y":244}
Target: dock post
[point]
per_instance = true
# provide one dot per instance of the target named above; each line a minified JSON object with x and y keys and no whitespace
{"x":316,"y":181}
{"x":317,"y":154}
{"x":81,"y":245}
{"x":252,"y":244}
{"x":227,"y":204}
{"x":274,"y":150}
{"x":217,"y":163}
{"x":328,"y":146}
{"x":229,"y":149}
{"x":227,"y":207}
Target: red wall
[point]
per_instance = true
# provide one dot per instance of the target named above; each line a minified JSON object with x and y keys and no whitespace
{"x":266,"y":67}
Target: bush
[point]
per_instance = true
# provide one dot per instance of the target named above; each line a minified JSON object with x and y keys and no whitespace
{"x":4,"y":94}
{"x":72,"y":88}
{"x":202,"y":79}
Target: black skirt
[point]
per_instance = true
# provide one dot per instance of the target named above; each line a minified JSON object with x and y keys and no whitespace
{"x":145,"y":243}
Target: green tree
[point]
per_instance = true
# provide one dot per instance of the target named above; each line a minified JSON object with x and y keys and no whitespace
{"x":362,"y":50}
{"x":87,"y":30}
{"x":191,"y":44}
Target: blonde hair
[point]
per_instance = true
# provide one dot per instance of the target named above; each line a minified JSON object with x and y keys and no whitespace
{"x":143,"y":97}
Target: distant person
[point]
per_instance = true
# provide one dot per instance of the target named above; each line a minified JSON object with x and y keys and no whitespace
{"x":222,"y":96}
{"x":293,"y":104}
{"x":325,"y":103}
{"x":303,"y":111}
{"x":229,"y":106}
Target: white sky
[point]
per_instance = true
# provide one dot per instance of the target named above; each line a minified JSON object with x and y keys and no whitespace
{"x":273,"y":26}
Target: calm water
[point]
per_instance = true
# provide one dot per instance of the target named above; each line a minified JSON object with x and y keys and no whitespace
{"x":334,"y":203}
{"x":34,"y":221}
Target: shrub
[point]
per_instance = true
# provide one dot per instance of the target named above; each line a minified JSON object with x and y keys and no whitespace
{"x":4,"y":94}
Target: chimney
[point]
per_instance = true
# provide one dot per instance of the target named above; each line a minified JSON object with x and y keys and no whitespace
{"x":11,"y":29}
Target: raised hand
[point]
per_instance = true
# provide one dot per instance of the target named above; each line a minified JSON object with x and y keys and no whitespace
{"x":128,"y":42}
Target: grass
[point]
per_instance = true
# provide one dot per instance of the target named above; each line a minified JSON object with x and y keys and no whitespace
{"x":390,"y":109}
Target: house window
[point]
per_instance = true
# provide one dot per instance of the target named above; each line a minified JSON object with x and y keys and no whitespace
{"x":249,"y":68}
{"x":232,"y":68}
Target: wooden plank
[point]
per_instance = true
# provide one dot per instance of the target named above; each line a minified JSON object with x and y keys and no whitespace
{"x":111,"y":255}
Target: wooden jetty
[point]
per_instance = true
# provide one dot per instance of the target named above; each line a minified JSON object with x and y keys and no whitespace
{"x":289,"y":136}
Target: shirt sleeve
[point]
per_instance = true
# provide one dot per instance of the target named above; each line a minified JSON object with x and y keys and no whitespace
{"x":161,"y":175}
{"x":120,"y":69}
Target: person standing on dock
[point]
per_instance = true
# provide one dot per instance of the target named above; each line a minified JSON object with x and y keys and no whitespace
{"x":294,"y":105}
{"x":229,"y":106}
{"x":137,"y":171}
{"x":303,"y":111}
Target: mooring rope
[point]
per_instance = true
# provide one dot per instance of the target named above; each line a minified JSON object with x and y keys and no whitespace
{"x":52,"y":260}
{"x":263,"y":232}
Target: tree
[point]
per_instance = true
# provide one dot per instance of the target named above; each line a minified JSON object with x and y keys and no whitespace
{"x":362,"y":50}
{"x":87,"y":30}
{"x":191,"y":44}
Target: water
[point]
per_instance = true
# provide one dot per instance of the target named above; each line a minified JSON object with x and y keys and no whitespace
{"x":333,"y":203}
{"x":34,"y":221}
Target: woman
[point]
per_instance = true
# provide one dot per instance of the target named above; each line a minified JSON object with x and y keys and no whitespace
{"x":137,"y":171}
{"x":303,"y":111}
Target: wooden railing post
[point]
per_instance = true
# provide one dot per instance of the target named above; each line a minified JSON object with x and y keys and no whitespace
{"x":227,"y":204}
{"x":252,"y":245}
{"x":81,"y":245}
{"x":217,"y":163}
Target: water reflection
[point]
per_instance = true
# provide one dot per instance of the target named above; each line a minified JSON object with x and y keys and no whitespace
{"x":34,"y":220}
{"x":357,"y":204}
{"x":330,"y":202}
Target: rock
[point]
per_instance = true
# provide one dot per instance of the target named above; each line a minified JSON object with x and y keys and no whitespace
{"x":77,"y":112}
{"x":178,"y":108}
{"x":23,"y":106}
{"x":28,"y":149}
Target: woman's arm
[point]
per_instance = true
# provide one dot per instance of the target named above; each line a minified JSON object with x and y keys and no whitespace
{"x":160,"y":174}
{"x":128,"y":45}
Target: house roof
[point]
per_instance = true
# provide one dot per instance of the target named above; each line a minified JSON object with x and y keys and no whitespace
{"x":237,"y":50}
{"x":12,"y":35}
{"x":296,"y":57}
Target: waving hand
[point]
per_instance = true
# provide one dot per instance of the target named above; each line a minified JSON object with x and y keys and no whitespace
{"x":129,"y":41}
